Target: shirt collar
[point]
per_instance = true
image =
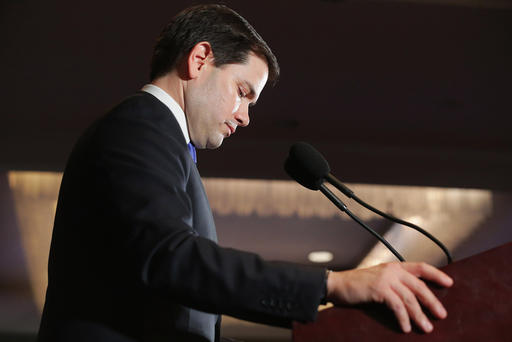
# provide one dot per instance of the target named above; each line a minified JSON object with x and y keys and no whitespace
{"x":173,"y":106}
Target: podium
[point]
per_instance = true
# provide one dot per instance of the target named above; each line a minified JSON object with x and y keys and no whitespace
{"x":479,"y":306}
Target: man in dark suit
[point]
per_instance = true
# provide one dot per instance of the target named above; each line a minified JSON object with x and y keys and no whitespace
{"x":134,"y":254}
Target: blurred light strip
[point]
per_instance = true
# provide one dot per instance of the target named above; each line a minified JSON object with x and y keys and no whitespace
{"x":280,"y":198}
{"x":35,"y":195}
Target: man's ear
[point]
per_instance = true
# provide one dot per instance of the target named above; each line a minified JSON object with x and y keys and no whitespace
{"x":199,"y":57}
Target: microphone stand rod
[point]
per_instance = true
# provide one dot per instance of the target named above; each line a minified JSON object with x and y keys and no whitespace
{"x":350,"y":194}
{"x":337,"y":202}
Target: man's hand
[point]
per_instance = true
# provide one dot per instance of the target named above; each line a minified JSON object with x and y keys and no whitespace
{"x":395,"y":284}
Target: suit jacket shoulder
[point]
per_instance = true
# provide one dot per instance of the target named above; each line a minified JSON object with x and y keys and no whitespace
{"x":134,"y":243}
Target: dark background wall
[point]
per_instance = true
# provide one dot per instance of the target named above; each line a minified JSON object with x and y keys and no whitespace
{"x":396,"y":92}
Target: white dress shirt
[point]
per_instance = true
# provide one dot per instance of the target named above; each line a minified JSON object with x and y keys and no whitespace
{"x":175,"y":108}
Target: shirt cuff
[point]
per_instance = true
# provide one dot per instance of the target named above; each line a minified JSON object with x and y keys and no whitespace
{"x":324,"y":297}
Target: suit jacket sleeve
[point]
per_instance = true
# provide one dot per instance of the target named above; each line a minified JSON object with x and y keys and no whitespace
{"x":144,"y":172}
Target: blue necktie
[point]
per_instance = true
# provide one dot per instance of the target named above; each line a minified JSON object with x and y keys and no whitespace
{"x":192,"y":150}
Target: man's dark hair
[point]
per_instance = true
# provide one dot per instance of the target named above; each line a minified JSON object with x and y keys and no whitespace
{"x":231,"y":37}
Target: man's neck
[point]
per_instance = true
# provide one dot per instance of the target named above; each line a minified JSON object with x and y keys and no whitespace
{"x":172,"y":85}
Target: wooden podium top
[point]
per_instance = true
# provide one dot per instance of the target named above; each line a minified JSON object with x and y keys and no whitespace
{"x":479,"y":306}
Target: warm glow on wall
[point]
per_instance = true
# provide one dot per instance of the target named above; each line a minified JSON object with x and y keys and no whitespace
{"x":35,"y":195}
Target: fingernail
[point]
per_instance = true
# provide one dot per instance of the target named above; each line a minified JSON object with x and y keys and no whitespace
{"x":427,"y":326}
{"x":407,"y":327}
{"x":442,"y":312}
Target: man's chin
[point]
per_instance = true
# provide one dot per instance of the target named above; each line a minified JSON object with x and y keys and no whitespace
{"x":212,"y":145}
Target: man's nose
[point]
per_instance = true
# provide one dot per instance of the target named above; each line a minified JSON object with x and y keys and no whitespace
{"x":242,"y":116}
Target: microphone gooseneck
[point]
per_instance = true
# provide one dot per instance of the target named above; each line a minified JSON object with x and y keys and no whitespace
{"x":309,"y":168}
{"x":350,"y":194}
{"x":337,"y":202}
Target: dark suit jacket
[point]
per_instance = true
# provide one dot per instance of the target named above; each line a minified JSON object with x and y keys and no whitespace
{"x":134,"y":254}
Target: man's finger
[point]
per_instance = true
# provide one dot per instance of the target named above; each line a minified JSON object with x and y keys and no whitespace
{"x":428,"y":272}
{"x":395,"y":303}
{"x":425,"y":295}
{"x":413,"y":307}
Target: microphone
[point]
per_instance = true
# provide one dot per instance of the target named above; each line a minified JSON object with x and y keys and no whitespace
{"x":309,"y":168}
{"x":306,"y":165}
{"x":297,"y":165}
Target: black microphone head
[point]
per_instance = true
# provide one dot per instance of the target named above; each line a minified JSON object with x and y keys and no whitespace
{"x":306,"y":165}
